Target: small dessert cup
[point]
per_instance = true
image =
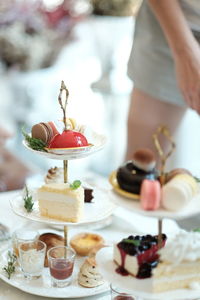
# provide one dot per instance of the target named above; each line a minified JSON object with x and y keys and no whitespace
{"x":119,"y":294}
{"x":31,"y":258}
{"x":22,"y":236}
{"x":61,"y":264}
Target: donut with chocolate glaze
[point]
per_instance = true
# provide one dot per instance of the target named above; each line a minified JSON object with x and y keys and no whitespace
{"x":130,"y":177}
{"x":133,"y":172}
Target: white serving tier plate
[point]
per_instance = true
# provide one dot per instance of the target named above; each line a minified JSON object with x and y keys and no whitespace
{"x":98,"y":210}
{"x":138,"y":287}
{"x":95,"y":212}
{"x":97,"y":140}
{"x":192,"y":209}
{"x":42,"y":286}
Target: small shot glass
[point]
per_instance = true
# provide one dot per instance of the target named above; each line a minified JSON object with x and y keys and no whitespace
{"x":31,"y":258}
{"x":22,"y":236}
{"x":119,"y":294}
{"x":61,"y":265}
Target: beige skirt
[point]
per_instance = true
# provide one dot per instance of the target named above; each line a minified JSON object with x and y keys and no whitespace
{"x":151,"y":66}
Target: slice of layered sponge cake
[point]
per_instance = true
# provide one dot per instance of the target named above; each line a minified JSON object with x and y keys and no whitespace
{"x":59,"y":201}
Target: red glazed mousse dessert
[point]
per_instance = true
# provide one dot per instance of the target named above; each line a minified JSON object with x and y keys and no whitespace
{"x":68,"y":139}
{"x":137,"y":255}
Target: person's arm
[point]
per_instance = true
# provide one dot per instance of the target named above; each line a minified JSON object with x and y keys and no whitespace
{"x":185,"y":48}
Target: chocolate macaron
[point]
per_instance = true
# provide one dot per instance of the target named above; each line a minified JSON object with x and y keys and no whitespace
{"x":44,"y":131}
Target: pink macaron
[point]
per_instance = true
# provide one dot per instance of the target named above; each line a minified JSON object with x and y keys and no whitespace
{"x":150,"y":194}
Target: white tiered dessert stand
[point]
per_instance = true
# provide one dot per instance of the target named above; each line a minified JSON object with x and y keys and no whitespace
{"x":95,"y":212}
{"x":142,"y":287}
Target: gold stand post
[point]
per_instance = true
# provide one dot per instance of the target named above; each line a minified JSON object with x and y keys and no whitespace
{"x":65,"y":235}
{"x":159,"y":234}
{"x":162,"y":130}
{"x":65,"y":167}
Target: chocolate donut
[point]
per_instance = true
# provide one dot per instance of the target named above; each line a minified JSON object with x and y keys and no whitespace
{"x":130,"y":177}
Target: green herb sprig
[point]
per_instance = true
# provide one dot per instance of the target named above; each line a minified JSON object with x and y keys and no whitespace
{"x":10,"y":267}
{"x":134,"y":242}
{"x":28,"y":200}
{"x":75,"y":185}
{"x":33,"y":143}
{"x":197,"y":179}
{"x":196,"y":230}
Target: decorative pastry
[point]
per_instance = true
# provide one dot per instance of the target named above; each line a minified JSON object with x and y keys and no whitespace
{"x":150,"y":194}
{"x":137,"y":255}
{"x":178,"y":192}
{"x":85,"y":243}
{"x":132,"y":173}
{"x":54,"y":175}
{"x":44,"y":131}
{"x":89,"y":275}
{"x":51,"y":240}
{"x":88,"y":194}
{"x":68,"y":139}
{"x":62,"y":202}
{"x":179,"y":265}
{"x":144,"y":159}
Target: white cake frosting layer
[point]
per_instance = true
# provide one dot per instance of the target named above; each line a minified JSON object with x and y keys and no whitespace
{"x":184,"y":246}
{"x":55,"y":197}
{"x":163,"y":284}
{"x":130,"y":264}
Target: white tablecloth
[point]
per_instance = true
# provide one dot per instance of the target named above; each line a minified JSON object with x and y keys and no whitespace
{"x":123,"y":224}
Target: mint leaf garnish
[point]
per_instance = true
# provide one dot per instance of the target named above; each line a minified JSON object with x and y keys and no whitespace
{"x":196,"y":178}
{"x":196,"y":230}
{"x":134,"y":242}
{"x":75,"y":185}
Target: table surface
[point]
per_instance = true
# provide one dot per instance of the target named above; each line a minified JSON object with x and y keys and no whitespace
{"x":122,"y":223}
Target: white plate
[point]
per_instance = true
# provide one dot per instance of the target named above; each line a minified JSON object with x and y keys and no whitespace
{"x":138,"y":287}
{"x":42,"y":286}
{"x":97,"y":140}
{"x":96,"y":211}
{"x":192,"y":209}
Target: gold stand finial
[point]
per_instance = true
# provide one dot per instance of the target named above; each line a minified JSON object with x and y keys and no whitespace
{"x":162,"y":130}
{"x":63,"y":104}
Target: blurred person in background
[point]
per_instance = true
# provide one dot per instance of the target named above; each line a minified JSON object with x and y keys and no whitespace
{"x":12,"y":171}
{"x":165,"y":67}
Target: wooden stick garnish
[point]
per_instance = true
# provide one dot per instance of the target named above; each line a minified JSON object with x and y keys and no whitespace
{"x":63,"y":105}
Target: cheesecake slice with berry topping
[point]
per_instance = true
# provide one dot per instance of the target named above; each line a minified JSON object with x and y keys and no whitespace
{"x":137,"y":255}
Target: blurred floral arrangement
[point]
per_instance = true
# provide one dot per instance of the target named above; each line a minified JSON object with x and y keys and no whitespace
{"x":32,"y":32}
{"x":115,"y":7}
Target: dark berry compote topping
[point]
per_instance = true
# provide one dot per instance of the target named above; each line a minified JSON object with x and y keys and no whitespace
{"x":145,"y":248}
{"x":123,"y":297}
